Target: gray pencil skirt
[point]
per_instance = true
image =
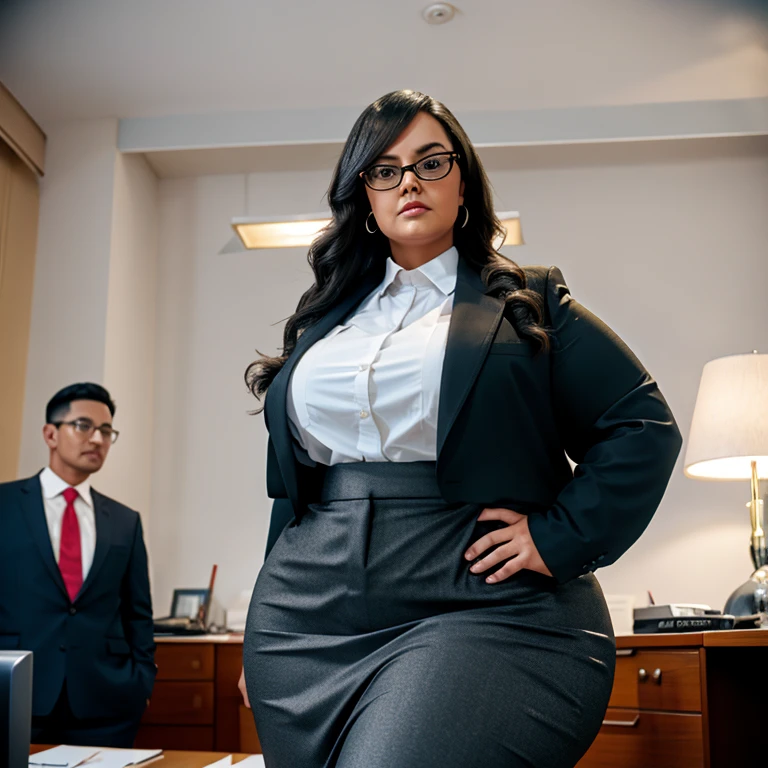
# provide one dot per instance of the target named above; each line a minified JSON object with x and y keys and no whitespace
{"x":370,"y":644}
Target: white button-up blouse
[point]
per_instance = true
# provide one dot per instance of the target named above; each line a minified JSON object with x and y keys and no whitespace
{"x":369,"y":390}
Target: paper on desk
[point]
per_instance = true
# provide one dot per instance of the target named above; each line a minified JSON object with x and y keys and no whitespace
{"x":254,"y":761}
{"x":225,"y":762}
{"x":63,"y":756}
{"x":120,"y":758}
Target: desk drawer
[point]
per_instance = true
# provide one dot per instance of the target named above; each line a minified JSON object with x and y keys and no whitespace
{"x":180,"y":704}
{"x":184,"y":661}
{"x":184,"y":737}
{"x":635,"y":739}
{"x":661,"y":680}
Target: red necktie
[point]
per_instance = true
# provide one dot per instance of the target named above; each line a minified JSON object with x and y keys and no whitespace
{"x":70,"y":557}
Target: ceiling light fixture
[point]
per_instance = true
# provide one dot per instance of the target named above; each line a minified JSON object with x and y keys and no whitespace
{"x":284,"y":232}
{"x":300,"y":230}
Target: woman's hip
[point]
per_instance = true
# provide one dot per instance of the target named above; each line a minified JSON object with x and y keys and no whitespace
{"x":382,"y":548}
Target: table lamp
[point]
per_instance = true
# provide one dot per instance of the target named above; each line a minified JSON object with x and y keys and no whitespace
{"x":729,"y":441}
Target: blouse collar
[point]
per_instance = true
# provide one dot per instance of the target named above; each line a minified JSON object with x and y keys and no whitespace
{"x":439,"y":272}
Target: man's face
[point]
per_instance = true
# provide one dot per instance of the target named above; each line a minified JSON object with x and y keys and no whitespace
{"x":76,"y":445}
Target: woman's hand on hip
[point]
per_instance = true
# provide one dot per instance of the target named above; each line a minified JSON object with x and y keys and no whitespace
{"x":513,"y":541}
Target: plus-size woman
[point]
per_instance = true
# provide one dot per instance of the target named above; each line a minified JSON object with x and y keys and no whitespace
{"x":428,"y":598}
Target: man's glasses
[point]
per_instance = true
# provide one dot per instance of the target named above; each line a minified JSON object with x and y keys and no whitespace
{"x":86,"y":428}
{"x":431,"y":168}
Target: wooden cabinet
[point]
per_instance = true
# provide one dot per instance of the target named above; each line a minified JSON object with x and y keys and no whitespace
{"x":196,"y":703}
{"x":678,"y":701}
{"x":181,"y":713}
{"x":653,"y":679}
{"x":683,"y":701}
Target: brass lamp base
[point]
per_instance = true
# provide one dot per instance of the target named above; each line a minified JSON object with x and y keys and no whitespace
{"x":751,"y":597}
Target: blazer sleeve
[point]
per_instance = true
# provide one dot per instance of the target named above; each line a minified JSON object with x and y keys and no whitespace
{"x":617,"y":427}
{"x":137,"y":610}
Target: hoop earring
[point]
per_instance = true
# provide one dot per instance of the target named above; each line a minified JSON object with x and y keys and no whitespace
{"x":466,"y":216}
{"x":367,"y":228}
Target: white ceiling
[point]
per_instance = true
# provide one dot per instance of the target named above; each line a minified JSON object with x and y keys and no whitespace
{"x":76,"y":59}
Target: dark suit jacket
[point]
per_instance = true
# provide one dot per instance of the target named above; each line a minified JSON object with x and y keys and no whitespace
{"x":103,"y":643}
{"x":507,"y":417}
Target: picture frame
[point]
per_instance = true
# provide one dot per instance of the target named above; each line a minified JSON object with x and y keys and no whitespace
{"x":186,"y":602}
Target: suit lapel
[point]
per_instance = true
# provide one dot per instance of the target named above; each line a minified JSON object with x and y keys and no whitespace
{"x":474,"y":320}
{"x":33,"y":512}
{"x":103,"y":538}
{"x":275,"y":404}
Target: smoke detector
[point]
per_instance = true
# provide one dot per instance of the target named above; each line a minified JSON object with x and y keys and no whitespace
{"x":438,"y":13}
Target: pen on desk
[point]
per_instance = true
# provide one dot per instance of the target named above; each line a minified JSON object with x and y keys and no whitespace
{"x":51,"y":765}
{"x":651,"y":601}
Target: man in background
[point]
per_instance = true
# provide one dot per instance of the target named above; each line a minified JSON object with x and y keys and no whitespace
{"x":74,"y":585}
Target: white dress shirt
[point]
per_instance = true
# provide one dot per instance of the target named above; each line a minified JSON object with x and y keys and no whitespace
{"x":369,"y":390}
{"x":53,"y":486}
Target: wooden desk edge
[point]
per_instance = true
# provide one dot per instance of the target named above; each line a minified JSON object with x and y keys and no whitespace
{"x":234,"y":638}
{"x":712,"y":639}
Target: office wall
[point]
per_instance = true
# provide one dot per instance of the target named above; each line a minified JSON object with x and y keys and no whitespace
{"x":93,"y":310}
{"x":666,"y":241}
{"x":69,"y":307}
{"x":208,"y":499}
{"x":129,"y":356}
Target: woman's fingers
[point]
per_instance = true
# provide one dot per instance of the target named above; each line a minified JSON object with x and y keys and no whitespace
{"x":489,"y":540}
{"x":507,"y":570}
{"x":503,"y":552}
{"x":243,"y":689}
{"x":508,"y":516}
{"x":512,"y":543}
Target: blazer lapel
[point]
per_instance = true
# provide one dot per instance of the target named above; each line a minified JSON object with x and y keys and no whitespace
{"x":474,"y":320}
{"x":276,"y":412}
{"x":33,"y":512}
{"x":103,"y":539}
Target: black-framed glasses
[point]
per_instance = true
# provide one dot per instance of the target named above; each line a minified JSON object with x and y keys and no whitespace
{"x":86,"y":428}
{"x":431,"y":168}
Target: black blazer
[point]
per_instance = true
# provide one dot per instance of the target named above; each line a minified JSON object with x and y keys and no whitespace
{"x":102,"y":644}
{"x":507,"y":417}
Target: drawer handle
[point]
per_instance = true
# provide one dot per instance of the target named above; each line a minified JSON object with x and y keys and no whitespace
{"x":625,"y":651}
{"x":657,"y":676}
{"x":196,"y":664}
{"x":624,"y":723}
{"x":642,"y":675}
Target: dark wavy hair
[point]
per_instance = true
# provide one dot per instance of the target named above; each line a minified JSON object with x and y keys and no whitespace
{"x":343,"y":254}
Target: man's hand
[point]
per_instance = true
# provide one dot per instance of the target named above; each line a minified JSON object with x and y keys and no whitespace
{"x":243,"y":689}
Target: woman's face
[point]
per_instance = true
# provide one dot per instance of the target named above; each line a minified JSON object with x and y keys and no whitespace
{"x":427,"y":227}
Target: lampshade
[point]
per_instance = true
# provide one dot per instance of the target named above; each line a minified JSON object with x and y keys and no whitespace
{"x":730,"y":420}
{"x":301,"y":230}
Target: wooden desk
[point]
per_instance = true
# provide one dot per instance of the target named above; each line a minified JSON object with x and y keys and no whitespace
{"x":196,"y":703}
{"x":692,"y":700}
{"x":176,"y":759}
{"x":704,"y":710}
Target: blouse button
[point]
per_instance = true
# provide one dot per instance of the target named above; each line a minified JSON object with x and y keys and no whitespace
{"x":363,"y":414}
